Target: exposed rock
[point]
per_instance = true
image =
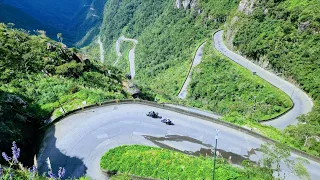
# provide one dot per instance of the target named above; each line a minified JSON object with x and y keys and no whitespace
{"x":51,"y":47}
{"x":303,"y":26}
{"x":187,"y":4}
{"x":231,"y":32}
{"x":265,"y":12}
{"x":178,"y":3}
{"x":76,"y":57}
{"x":79,"y":58}
{"x":246,"y":6}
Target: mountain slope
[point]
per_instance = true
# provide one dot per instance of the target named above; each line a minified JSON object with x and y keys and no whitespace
{"x":10,"y":14}
{"x":284,"y":36}
{"x":41,"y":78}
{"x":74,"y":19}
{"x":169,"y":32}
{"x":169,"y":37}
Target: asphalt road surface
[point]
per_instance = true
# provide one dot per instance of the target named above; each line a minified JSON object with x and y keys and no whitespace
{"x":79,"y":141}
{"x":196,"y":61}
{"x":101,"y":50}
{"x":302,"y":102}
{"x":131,"y":53}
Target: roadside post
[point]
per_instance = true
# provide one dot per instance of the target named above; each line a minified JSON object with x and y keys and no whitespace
{"x":215,"y":153}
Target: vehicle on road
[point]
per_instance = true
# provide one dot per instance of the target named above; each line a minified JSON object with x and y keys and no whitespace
{"x":154,"y":114}
{"x":167,"y":121}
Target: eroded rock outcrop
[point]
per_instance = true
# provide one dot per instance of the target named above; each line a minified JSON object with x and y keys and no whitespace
{"x":187,"y":4}
{"x":303,"y":26}
{"x":246,"y":6}
{"x":178,"y":3}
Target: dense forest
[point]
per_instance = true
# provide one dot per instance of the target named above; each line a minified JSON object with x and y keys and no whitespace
{"x":41,"y":78}
{"x":285,"y":35}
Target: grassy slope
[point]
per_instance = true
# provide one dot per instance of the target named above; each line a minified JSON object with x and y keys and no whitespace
{"x":276,"y":37}
{"x":123,"y":62}
{"x":168,"y":37}
{"x":166,"y":164}
{"x":227,"y":88}
{"x":166,"y":54}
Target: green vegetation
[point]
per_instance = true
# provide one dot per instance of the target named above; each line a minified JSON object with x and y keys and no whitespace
{"x":92,"y":51}
{"x":285,"y":34}
{"x":74,"y":19}
{"x":169,"y":38}
{"x":225,"y":87}
{"x":165,"y":164}
{"x":22,"y":174}
{"x":16,"y":171}
{"x":123,"y":62}
{"x":159,"y":163}
{"x":37,"y":75}
{"x":169,"y":42}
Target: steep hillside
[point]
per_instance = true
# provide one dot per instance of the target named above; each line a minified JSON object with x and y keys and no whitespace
{"x":40,"y":77}
{"x":10,"y":14}
{"x":284,"y":36}
{"x":226,"y":88}
{"x":169,"y":34}
{"x":74,"y":19}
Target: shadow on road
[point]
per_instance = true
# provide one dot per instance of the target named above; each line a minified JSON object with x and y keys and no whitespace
{"x":74,"y":166}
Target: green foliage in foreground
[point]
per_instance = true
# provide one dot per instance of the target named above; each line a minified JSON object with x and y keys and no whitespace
{"x":23,"y":174}
{"x":165,"y":164}
{"x":15,"y":169}
{"x":37,"y":75}
{"x":285,"y":34}
{"x":222,"y":86}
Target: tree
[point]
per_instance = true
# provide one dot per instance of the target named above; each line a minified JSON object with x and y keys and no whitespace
{"x":276,"y":157}
{"x":10,"y":25}
{"x":59,"y":37}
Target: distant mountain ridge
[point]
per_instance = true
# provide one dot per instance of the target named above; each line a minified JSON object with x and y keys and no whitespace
{"x":72,"y":18}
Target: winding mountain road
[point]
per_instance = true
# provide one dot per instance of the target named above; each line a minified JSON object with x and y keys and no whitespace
{"x":101,"y":49}
{"x":131,"y":53}
{"x":196,"y":61}
{"x":302,"y":102}
{"x":79,"y":141}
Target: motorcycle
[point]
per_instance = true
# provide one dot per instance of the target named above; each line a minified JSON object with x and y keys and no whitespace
{"x":154,"y":114}
{"x":167,"y":121}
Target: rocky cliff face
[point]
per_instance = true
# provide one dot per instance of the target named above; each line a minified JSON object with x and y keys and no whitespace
{"x":246,"y":6}
{"x":187,"y":4}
